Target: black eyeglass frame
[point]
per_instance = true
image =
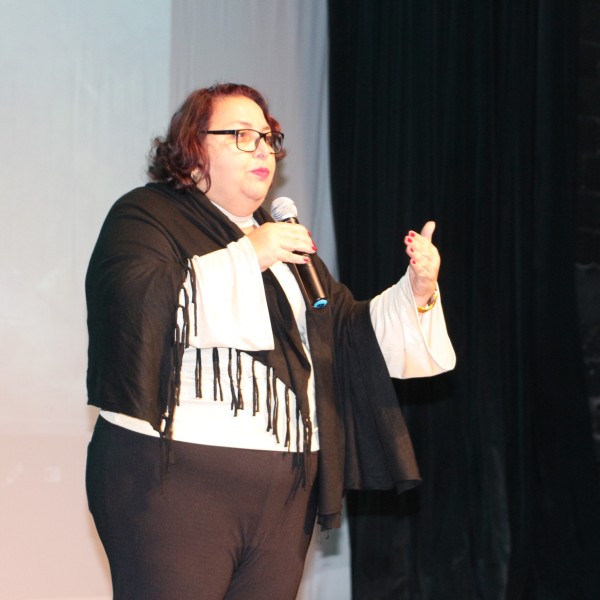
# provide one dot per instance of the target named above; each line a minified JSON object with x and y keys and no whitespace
{"x":261,"y":136}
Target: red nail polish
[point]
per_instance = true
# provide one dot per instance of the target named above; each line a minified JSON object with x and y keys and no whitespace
{"x":411,"y":233}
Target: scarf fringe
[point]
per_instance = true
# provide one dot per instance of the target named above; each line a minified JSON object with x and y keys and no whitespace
{"x":198,"y":373}
{"x":181,"y":342}
{"x":272,"y":398}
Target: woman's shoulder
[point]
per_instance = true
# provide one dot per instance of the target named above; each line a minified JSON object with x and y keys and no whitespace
{"x":149,"y":196}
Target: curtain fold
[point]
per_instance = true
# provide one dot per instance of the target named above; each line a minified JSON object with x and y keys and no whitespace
{"x":464,"y":112}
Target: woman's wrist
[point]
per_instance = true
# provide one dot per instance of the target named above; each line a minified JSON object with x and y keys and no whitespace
{"x":429,"y":304}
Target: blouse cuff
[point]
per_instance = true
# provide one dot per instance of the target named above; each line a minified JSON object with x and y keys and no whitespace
{"x":413,"y":344}
{"x":229,"y":308}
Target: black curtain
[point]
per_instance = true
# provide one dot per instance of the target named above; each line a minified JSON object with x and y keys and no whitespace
{"x":463,"y":111}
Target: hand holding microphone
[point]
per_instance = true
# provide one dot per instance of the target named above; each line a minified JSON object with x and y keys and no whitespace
{"x":283,"y":242}
{"x":288,"y":241}
{"x":283,"y":210}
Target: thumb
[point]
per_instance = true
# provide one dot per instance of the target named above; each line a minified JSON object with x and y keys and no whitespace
{"x":428,"y":229}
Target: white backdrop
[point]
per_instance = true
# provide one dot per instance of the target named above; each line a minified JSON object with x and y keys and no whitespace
{"x":84,"y":87}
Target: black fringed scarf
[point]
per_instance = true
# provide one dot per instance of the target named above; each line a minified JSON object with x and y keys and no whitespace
{"x":133,"y":286}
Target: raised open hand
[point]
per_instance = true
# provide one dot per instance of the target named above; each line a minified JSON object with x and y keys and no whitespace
{"x":424,"y":263}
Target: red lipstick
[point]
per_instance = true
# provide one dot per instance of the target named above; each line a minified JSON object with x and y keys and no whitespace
{"x":262,"y":172}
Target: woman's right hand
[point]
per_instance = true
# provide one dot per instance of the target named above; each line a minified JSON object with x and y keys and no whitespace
{"x":275,"y":242}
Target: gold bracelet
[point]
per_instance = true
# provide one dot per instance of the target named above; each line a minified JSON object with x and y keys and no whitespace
{"x":430,"y":304}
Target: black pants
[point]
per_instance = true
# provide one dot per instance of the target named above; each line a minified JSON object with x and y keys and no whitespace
{"x":222,"y":524}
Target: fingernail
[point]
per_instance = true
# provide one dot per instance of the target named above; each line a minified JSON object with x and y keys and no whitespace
{"x":413,"y":262}
{"x":314,"y":248}
{"x":412,"y":233}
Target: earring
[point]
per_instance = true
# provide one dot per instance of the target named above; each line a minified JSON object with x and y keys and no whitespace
{"x":195,"y":175}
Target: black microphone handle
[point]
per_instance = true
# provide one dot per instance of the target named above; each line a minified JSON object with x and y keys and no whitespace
{"x":312,"y":284}
{"x":310,"y":278}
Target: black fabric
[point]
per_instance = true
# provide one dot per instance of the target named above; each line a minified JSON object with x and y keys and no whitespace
{"x":463,"y":112}
{"x":132,"y":286}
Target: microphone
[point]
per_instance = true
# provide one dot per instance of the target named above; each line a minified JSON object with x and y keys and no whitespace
{"x":284,"y":210}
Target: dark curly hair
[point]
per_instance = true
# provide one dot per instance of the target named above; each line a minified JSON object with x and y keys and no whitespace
{"x":173,"y":158}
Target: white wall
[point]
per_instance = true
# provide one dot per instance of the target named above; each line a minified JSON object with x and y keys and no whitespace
{"x":85,"y":85}
{"x":280,"y":48}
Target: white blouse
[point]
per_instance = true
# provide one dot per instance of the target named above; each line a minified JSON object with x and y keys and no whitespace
{"x":231,"y":311}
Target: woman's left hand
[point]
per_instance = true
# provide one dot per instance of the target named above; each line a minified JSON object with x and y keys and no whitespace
{"x":424,"y":263}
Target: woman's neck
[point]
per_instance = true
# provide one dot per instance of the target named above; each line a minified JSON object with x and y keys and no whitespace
{"x":246,"y":223}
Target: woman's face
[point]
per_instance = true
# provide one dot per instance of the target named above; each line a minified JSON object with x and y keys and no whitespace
{"x":239,"y":180}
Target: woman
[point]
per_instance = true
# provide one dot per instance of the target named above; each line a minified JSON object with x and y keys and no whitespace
{"x":231,"y":415}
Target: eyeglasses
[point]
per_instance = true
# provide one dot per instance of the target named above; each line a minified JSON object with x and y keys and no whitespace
{"x":247,"y":140}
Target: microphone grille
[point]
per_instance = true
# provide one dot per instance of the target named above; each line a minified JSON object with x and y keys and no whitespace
{"x":283,"y":208}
